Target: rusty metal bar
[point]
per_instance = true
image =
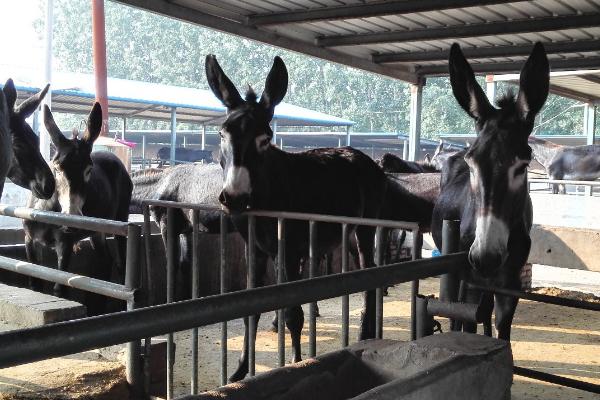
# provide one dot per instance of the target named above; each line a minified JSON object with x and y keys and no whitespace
{"x":345,"y":297}
{"x":250,"y":284}
{"x":379,"y":291}
{"x":195,"y":295}
{"x":281,"y":279}
{"x":312,"y":312}
{"x":171,"y":260}
{"x":223,"y":290}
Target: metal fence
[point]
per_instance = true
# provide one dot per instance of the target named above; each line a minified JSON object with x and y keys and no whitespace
{"x":281,"y":217}
{"x":589,"y":185}
{"x":129,"y":292}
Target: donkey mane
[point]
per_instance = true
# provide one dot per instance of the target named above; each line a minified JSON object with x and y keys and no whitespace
{"x":507,"y":101}
{"x":251,"y":95}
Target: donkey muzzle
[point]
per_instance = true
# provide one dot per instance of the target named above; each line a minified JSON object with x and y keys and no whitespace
{"x":235,"y":203}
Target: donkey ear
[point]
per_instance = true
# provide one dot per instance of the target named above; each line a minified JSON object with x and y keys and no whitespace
{"x":58,"y":139}
{"x":10,"y":93}
{"x":466,"y":90}
{"x":427,"y":158}
{"x":275,"y":86}
{"x":26,"y":108}
{"x":534,"y":83}
{"x":94,"y":124}
{"x":220,"y":84}
{"x":439,"y":148}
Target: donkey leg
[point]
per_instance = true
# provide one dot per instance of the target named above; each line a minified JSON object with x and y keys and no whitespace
{"x":294,"y":316}
{"x":243,"y":365}
{"x":34,"y":284}
{"x":261,"y":269}
{"x":505,"y":307}
{"x":364,"y":238}
{"x":64,"y":250}
{"x":487,"y":302}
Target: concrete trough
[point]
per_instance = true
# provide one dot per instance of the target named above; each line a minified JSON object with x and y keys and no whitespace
{"x":448,"y":366}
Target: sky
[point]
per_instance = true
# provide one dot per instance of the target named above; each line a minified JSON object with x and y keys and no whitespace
{"x":20,"y":47}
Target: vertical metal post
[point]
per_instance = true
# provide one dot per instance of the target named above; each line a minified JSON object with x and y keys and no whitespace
{"x":417,"y":244}
{"x":195,"y":295}
{"x":379,"y":291}
{"x":149,"y":293}
{"x":171,"y":260}
{"x":416,"y":96}
{"x":405,"y":150}
{"x":274,"y":129}
{"x":339,"y":142}
{"x":124,"y":130}
{"x":251,"y":283}
{"x":424,"y":326}
{"x":184,"y":141}
{"x":450,"y":244}
{"x":223,"y":289}
{"x":203,"y":137}
{"x":312,"y":311}
{"x":345,"y":298}
{"x":132,"y":281}
{"x":281,"y":279}
{"x":490,"y":88}
{"x":589,"y":129}
{"x":99,"y":57}
{"x":173,"y":134}
{"x":348,"y":135}
{"x":143,"y":151}
{"x":44,"y":136}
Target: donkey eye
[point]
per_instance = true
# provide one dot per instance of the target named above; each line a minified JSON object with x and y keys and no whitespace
{"x":522,"y":169}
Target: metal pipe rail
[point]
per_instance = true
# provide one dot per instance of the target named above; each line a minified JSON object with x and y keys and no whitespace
{"x":59,"y":339}
{"x":108,"y":289}
{"x":72,"y":221}
{"x":542,"y":298}
{"x":281,"y":217}
{"x":565,"y":182}
{"x":334,"y":219}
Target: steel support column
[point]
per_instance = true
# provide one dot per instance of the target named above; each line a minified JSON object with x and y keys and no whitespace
{"x":416,"y":97}
{"x":124,"y":128}
{"x":348,"y":135}
{"x":490,"y":88}
{"x":589,"y":122}
{"x":203,"y":136}
{"x":274,"y":128}
{"x":44,"y":137}
{"x":99,"y":55}
{"x":173,"y":134}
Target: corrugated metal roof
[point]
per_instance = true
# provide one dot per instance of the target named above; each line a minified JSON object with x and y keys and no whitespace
{"x":583,"y":85}
{"x":72,"y":93}
{"x":407,"y":39}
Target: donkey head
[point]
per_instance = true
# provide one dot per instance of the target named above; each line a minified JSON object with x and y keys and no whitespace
{"x":245,"y":134}
{"x":499,"y":157}
{"x":72,"y":163}
{"x":28,"y":168}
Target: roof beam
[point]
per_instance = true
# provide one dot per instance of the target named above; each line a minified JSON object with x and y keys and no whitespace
{"x":365,"y":10}
{"x":591,"y":78}
{"x":167,"y":8}
{"x":464,"y":31}
{"x":515,"y":67}
{"x":489,"y":52}
{"x":572,"y":94}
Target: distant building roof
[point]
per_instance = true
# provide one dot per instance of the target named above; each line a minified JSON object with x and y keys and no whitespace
{"x":565,"y":140}
{"x":72,"y":93}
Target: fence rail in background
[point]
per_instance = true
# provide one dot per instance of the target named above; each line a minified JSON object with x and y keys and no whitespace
{"x":590,"y":185}
{"x":281,"y":218}
{"x":127,"y":292}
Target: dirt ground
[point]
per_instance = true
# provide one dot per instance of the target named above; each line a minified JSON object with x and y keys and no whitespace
{"x":548,"y":338}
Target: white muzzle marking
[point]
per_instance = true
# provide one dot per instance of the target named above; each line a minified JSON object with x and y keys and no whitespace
{"x":491,"y":235}
{"x":237,"y":181}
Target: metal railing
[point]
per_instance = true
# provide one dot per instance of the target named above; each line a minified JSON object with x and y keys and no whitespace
{"x":590,"y":185}
{"x":70,"y":337}
{"x":281,"y":217}
{"x":127,"y":292}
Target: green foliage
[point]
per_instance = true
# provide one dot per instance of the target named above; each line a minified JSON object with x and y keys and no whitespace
{"x":147,"y":47}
